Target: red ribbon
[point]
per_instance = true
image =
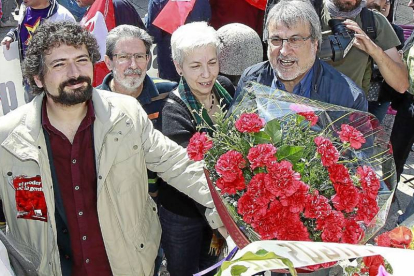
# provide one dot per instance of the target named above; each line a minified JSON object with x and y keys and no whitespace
{"x":235,"y":233}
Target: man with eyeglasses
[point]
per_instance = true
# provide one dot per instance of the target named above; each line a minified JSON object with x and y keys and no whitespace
{"x":74,"y":163}
{"x":127,"y":57}
{"x":293,"y":34}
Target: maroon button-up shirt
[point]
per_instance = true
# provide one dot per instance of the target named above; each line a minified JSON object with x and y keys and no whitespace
{"x":75,"y":169}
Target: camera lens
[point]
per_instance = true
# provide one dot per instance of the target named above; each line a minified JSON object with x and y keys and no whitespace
{"x":338,"y":26}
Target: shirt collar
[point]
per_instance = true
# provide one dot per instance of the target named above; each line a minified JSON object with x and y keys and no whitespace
{"x":148,"y":91}
{"x":303,"y":88}
{"x":87,"y":121}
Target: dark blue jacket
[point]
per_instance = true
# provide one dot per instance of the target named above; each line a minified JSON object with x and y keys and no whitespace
{"x":328,"y":85}
{"x":166,"y":68}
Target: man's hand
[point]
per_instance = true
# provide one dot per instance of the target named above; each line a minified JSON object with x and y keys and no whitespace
{"x":223,"y":231}
{"x":389,"y":62}
{"x":362,"y":40}
{"x":6,"y":41}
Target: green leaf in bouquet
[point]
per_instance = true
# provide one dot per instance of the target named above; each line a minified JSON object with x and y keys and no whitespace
{"x":299,"y":167}
{"x":237,"y":270}
{"x":262,"y":138}
{"x":260,"y":255}
{"x":291,"y":153}
{"x":274,"y":130}
{"x":299,"y":119}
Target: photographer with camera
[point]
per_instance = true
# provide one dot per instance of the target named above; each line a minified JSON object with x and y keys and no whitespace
{"x":370,"y":35}
{"x":380,"y":94}
{"x":293,"y":33}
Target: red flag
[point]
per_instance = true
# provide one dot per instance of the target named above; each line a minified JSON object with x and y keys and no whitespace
{"x":260,"y":4}
{"x":99,"y":20}
{"x":173,"y":15}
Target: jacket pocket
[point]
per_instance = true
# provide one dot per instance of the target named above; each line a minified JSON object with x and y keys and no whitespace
{"x":25,"y":185}
{"x":127,"y":149}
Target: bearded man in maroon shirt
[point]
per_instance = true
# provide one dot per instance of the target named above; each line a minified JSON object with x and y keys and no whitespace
{"x":74,"y":161}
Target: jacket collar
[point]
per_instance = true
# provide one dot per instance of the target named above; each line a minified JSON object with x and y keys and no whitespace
{"x":26,"y":137}
{"x":149,"y":90}
{"x":268,"y":74}
{"x":23,"y":139}
{"x":317,"y":72}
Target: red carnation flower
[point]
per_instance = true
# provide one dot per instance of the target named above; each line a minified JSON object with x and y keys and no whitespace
{"x":369,"y":181}
{"x":199,"y":144}
{"x":339,"y":175}
{"x":329,"y":154}
{"x":372,"y":264}
{"x":249,"y":122}
{"x":310,"y":116}
{"x":306,"y":112}
{"x":383,"y":240}
{"x":271,"y":223}
{"x":367,"y":208}
{"x":282,"y":180}
{"x":351,"y":135}
{"x":316,"y":205}
{"x":229,"y":165}
{"x":261,"y":155}
{"x":331,"y":226}
{"x":296,"y":202}
{"x":353,"y":233}
{"x":346,"y":198}
{"x":231,"y":187}
{"x":251,"y":210}
{"x":293,"y":229}
{"x":257,"y":188}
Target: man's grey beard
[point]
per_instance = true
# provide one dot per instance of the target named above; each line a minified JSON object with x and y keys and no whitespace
{"x":128,"y":84}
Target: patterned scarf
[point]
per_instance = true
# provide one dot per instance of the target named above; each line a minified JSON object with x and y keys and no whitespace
{"x":335,"y":12}
{"x":196,"y":108}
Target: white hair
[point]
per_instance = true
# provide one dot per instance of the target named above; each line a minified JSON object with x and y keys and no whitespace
{"x":191,"y":36}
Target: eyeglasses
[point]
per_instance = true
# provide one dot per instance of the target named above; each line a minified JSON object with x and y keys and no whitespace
{"x":295,"y":41}
{"x":124,"y":58}
{"x":62,"y":65}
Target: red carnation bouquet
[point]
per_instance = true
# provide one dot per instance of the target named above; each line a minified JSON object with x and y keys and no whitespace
{"x":290,"y":168}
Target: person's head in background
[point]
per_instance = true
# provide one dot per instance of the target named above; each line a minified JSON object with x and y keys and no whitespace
{"x":127,"y":56}
{"x":240,"y":48}
{"x":195,"y":50}
{"x":383,"y":6}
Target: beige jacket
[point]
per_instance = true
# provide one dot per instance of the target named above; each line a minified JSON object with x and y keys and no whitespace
{"x":125,"y":145}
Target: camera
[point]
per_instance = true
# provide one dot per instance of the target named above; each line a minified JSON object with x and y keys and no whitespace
{"x":335,"y":47}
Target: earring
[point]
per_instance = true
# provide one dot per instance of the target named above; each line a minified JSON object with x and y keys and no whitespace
{"x":181,"y":73}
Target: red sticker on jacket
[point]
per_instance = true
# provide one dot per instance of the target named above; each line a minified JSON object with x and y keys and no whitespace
{"x":30,"y":200}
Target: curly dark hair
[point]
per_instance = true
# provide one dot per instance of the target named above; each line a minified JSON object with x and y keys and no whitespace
{"x":51,"y":35}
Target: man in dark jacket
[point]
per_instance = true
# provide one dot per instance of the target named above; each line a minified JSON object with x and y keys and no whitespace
{"x":293,"y":34}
